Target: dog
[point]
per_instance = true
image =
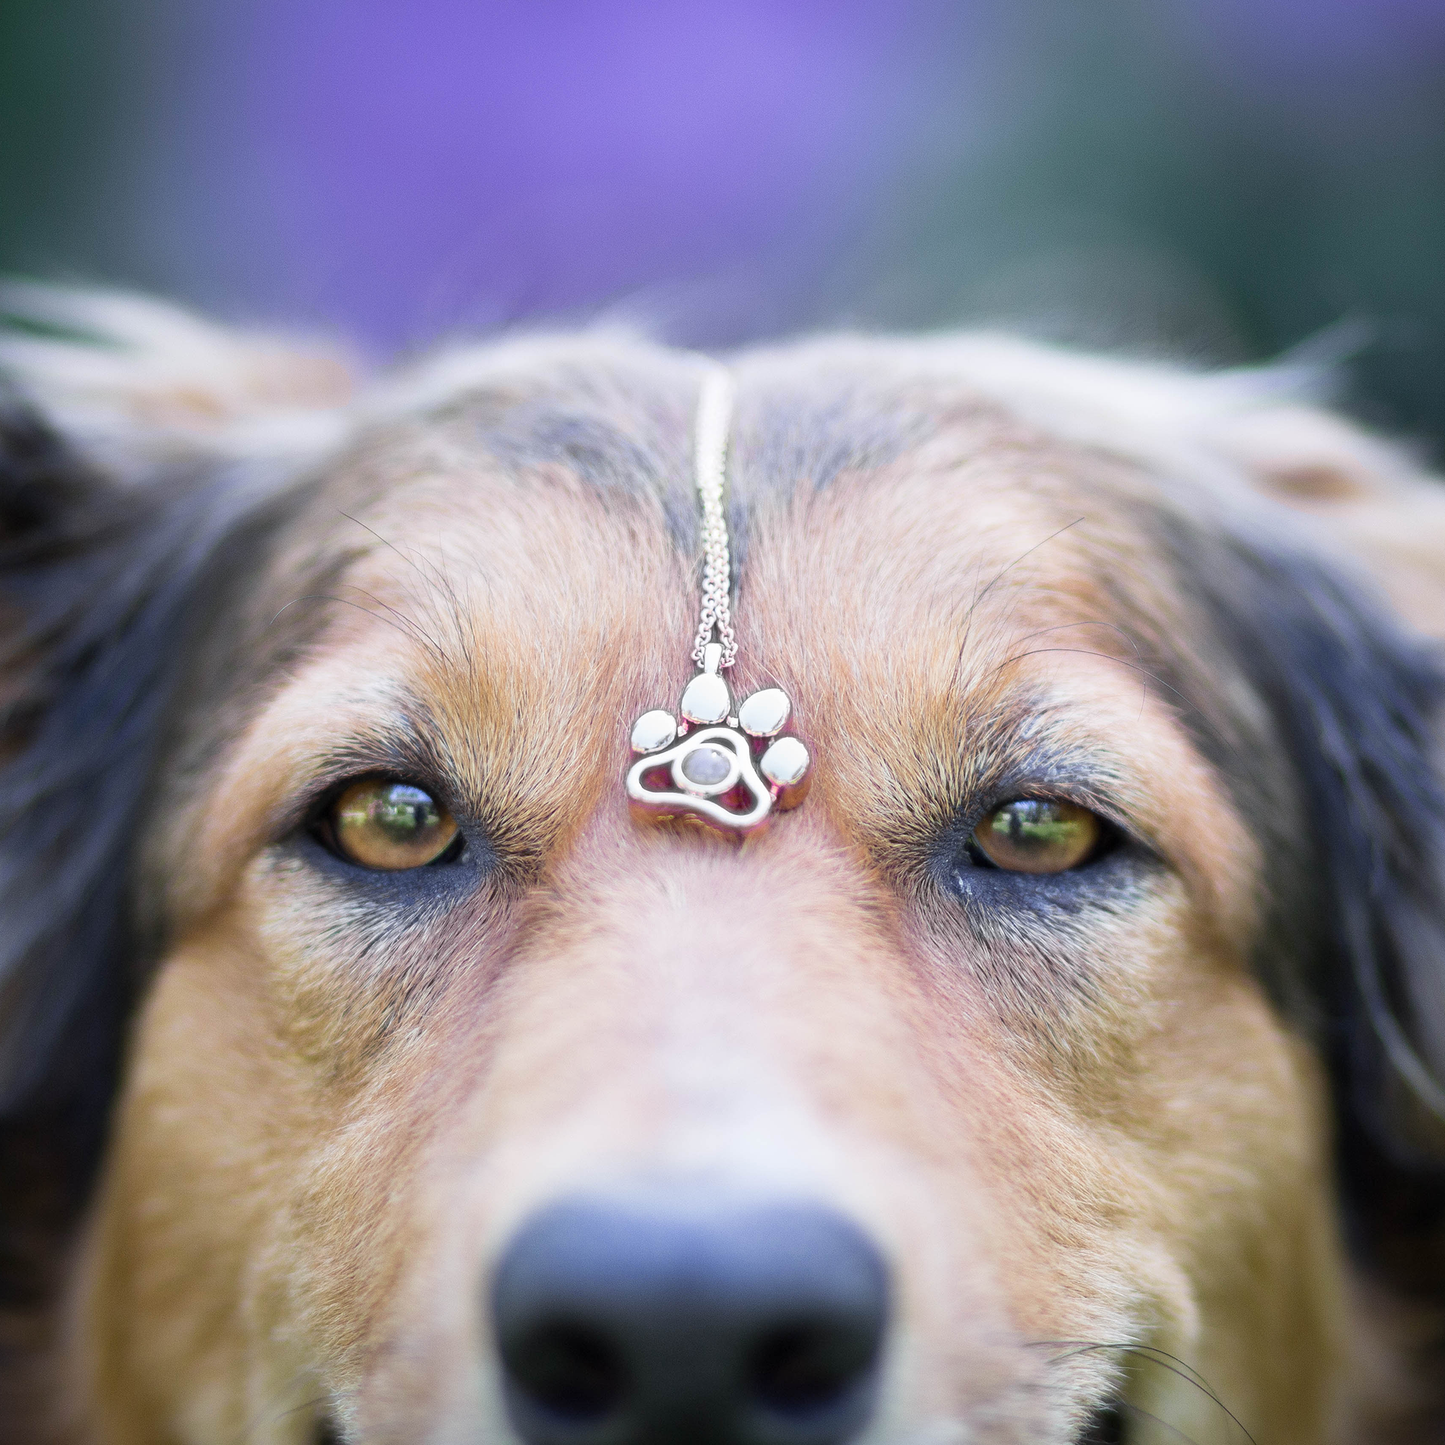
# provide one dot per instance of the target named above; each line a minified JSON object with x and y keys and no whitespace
{"x":1065,"y":1070}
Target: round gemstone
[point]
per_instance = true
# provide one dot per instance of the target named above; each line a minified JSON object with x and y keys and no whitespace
{"x":707,"y":766}
{"x":653,"y":730}
{"x":785,"y":762}
{"x":705,"y":699}
{"x":765,"y":712}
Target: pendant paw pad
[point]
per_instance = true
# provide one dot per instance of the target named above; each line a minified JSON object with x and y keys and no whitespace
{"x":729,"y":771}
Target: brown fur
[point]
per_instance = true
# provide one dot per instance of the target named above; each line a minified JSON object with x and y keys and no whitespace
{"x":1089,"y":1146}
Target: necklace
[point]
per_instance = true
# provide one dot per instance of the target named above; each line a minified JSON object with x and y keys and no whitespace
{"x":726,"y":767}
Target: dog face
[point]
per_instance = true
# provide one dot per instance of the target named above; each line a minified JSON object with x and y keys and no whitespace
{"x":997,"y":1093}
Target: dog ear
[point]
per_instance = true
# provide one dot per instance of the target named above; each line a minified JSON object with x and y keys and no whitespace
{"x":1355,"y":948}
{"x":1358,"y":697}
{"x":1239,"y":431}
{"x":137,"y":387}
{"x":1371,"y":498}
{"x":120,"y":518}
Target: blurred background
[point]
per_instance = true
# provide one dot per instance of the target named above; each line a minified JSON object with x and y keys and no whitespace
{"x":1218,"y":180}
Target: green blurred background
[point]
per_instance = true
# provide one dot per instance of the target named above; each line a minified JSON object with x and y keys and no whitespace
{"x":1218,"y":180}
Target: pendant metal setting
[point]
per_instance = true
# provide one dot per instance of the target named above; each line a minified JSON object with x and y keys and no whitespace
{"x":727,"y":768}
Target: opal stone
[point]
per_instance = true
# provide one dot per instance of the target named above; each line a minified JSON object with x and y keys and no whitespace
{"x":653,"y":730}
{"x":764,"y":713}
{"x":705,"y":699}
{"x":706,"y":766}
{"x":785,"y":762}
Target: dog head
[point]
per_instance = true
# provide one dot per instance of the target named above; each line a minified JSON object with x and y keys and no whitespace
{"x":1064,"y":1070}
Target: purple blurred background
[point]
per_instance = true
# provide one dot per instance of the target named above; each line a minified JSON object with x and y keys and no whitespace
{"x":1213,"y":178}
{"x":454,"y":162}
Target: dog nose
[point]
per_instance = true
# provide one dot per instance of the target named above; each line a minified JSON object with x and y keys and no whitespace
{"x":677,"y":1320}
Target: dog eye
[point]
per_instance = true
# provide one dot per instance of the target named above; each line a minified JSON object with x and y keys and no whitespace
{"x":1037,"y":835}
{"x":380,"y":823}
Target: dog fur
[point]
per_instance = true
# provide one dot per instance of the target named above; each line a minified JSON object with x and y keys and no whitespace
{"x":1152,"y":1147}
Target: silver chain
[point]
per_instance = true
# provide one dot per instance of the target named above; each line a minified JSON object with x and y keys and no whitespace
{"x":714,"y":418}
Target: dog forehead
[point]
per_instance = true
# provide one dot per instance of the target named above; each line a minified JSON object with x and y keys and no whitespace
{"x":912,"y":545}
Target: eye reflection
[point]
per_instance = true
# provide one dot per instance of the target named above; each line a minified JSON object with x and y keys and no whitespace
{"x":1038,"y":835}
{"x":380,"y":823}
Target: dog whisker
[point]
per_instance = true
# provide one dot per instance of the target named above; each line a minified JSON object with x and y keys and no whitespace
{"x":1172,"y":1364}
{"x":1189,"y":1375}
{"x":1022,"y":556}
{"x":435,"y":578}
{"x":979,"y":595}
{"x":402,"y":623}
{"x":1138,"y":1412}
{"x":437,"y":650}
{"x":266,"y":1421}
{"x":1090,"y":622}
{"x":1149,"y":675}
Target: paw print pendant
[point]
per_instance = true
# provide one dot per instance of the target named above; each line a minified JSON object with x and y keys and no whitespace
{"x":704,"y":765}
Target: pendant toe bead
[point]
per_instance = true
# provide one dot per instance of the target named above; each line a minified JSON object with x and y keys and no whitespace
{"x":654,"y":731}
{"x":765,"y":713}
{"x":705,"y":699}
{"x":785,"y":763}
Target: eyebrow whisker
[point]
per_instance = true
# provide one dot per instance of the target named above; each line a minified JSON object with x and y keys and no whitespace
{"x":1022,"y":556}
{"x":438,"y":651}
{"x":1088,"y":652}
{"x":1003,"y":571}
{"x":432,"y":574}
{"x":403,"y":624}
{"x":1112,"y":627}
